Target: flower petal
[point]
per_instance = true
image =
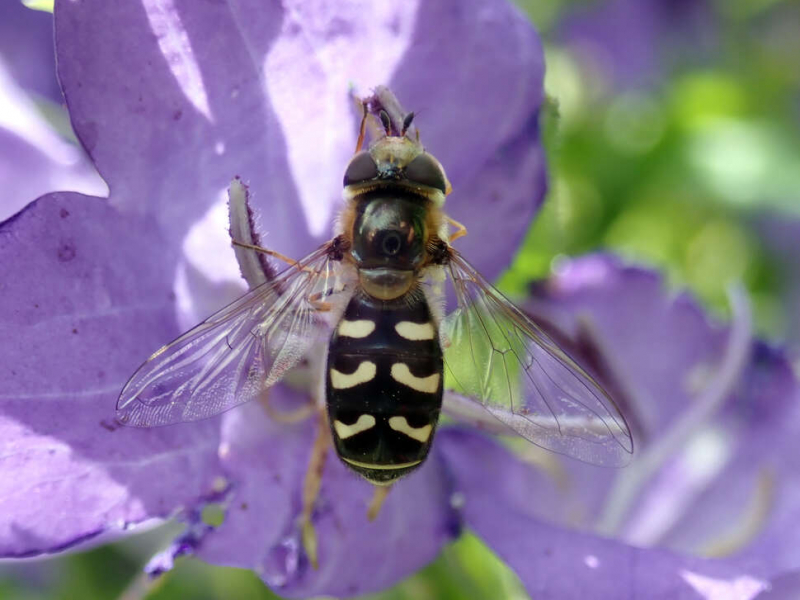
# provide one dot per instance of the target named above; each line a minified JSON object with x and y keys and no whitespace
{"x":558,"y":563}
{"x":266,"y":463}
{"x":35,"y":159}
{"x":170,"y":104}
{"x":627,"y":316}
{"x":86,"y":296}
{"x":654,"y":351}
{"x":731,"y":488}
{"x":783,"y":587}
{"x":59,"y":167}
{"x":751,"y":507}
{"x":26,"y":47}
{"x":264,"y":92}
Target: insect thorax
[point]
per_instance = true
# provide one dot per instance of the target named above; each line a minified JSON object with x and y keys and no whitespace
{"x":389,"y":231}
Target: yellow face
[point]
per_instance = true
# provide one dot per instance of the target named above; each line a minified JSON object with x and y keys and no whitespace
{"x":395,"y":150}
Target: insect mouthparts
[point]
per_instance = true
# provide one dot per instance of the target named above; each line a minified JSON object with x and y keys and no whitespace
{"x":389,"y":171}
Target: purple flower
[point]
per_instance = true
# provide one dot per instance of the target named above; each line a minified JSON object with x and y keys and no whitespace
{"x":171,"y":103}
{"x":26,"y":45}
{"x":716,"y":415}
{"x":36,"y":159}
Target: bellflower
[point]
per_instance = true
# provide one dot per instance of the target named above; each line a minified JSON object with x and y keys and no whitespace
{"x":26,"y":47}
{"x":716,"y":413}
{"x":36,"y":159}
{"x":171,"y":102}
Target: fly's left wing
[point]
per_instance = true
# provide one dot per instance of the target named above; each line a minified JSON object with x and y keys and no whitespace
{"x":232,"y":356}
{"x":498,"y":357}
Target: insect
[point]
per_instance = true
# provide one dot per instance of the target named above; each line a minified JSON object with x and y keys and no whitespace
{"x":374,"y":295}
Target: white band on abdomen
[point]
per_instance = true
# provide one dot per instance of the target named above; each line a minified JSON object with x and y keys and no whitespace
{"x":364,"y":373}
{"x":402,"y":374}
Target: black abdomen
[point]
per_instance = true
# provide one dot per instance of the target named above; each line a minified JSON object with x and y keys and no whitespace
{"x":384,"y":385}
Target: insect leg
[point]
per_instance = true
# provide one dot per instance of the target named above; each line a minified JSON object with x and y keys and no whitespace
{"x":317,"y":299}
{"x":377,"y":501}
{"x":319,"y":304}
{"x":290,"y":416}
{"x":311,"y":487}
{"x":461,"y":231}
{"x":273,"y":253}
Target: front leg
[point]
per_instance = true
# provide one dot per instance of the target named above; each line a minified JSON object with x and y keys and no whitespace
{"x":289,"y":261}
{"x":460,"y":231}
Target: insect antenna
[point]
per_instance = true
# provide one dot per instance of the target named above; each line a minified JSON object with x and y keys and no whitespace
{"x":386,"y":122}
{"x":407,"y":122}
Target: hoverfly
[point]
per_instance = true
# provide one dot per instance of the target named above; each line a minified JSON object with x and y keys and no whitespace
{"x":374,"y":295}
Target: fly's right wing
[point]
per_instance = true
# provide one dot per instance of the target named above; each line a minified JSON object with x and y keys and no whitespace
{"x":501,"y":360}
{"x":232,"y":356}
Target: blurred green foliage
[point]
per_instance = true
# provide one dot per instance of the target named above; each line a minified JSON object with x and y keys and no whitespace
{"x":670,"y":176}
{"x":673,"y":175}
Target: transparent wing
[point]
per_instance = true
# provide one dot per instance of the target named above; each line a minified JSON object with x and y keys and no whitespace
{"x":232,"y":356}
{"x":497,"y":356}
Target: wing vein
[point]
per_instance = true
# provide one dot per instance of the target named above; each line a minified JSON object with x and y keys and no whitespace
{"x":523,"y":378}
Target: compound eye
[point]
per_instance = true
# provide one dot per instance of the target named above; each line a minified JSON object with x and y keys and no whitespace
{"x":361,"y":168}
{"x":425,"y":169}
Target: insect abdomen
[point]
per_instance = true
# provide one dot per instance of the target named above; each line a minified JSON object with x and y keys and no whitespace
{"x":384,"y":385}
